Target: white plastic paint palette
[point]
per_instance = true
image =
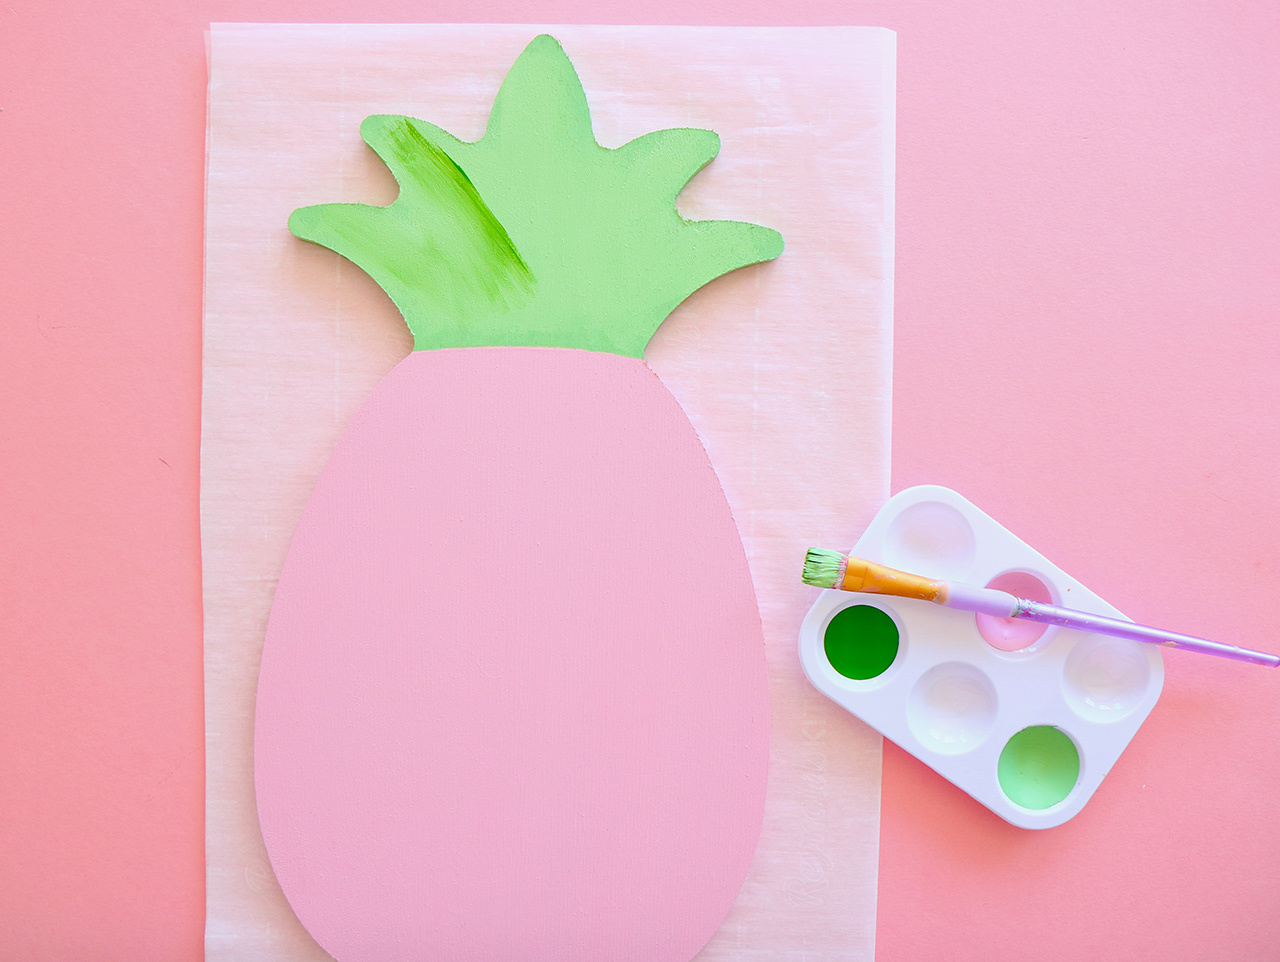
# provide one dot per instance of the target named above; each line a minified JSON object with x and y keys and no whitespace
{"x":1030,"y":732}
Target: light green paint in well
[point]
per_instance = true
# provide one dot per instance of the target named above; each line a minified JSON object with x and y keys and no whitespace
{"x":535,"y":234}
{"x":1038,"y":767}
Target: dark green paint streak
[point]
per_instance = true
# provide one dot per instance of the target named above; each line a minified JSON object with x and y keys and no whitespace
{"x":861,"y":642}
{"x":434,"y":173}
{"x":438,"y":250}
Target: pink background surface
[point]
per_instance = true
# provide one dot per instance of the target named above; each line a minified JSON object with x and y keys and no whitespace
{"x":1086,"y":346}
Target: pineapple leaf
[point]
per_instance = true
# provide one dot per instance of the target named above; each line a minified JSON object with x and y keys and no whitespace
{"x":535,"y":234}
{"x":437,"y":251}
{"x":669,"y":158}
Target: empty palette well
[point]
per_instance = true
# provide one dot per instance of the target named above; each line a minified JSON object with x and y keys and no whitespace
{"x":952,"y":707}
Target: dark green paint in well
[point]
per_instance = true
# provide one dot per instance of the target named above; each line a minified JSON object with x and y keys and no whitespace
{"x":861,"y":642}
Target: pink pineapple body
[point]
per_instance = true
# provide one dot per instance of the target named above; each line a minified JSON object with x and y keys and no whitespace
{"x":572,"y":669}
{"x":512,"y":702}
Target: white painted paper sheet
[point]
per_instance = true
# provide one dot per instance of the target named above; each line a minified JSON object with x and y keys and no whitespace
{"x":784,"y":372}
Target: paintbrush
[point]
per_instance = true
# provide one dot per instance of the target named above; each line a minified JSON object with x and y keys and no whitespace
{"x":831,"y":569}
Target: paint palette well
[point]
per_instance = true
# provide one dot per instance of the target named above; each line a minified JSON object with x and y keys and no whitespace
{"x":1026,"y":718}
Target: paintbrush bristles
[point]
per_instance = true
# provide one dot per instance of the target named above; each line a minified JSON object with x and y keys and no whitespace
{"x":824,"y":569}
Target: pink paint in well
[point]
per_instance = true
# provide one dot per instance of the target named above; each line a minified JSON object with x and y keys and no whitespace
{"x":1014,"y":634}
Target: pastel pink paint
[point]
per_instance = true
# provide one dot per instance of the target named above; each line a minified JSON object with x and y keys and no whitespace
{"x":512,"y":701}
{"x":1014,"y":634}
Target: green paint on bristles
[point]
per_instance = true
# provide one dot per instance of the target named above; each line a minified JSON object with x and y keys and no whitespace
{"x":822,"y":568}
{"x":536,"y":235}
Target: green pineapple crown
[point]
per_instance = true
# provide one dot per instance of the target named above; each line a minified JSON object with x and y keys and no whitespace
{"x":536,"y":235}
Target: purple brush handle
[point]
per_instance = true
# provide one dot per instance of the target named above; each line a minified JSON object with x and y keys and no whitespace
{"x":1083,"y":620}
